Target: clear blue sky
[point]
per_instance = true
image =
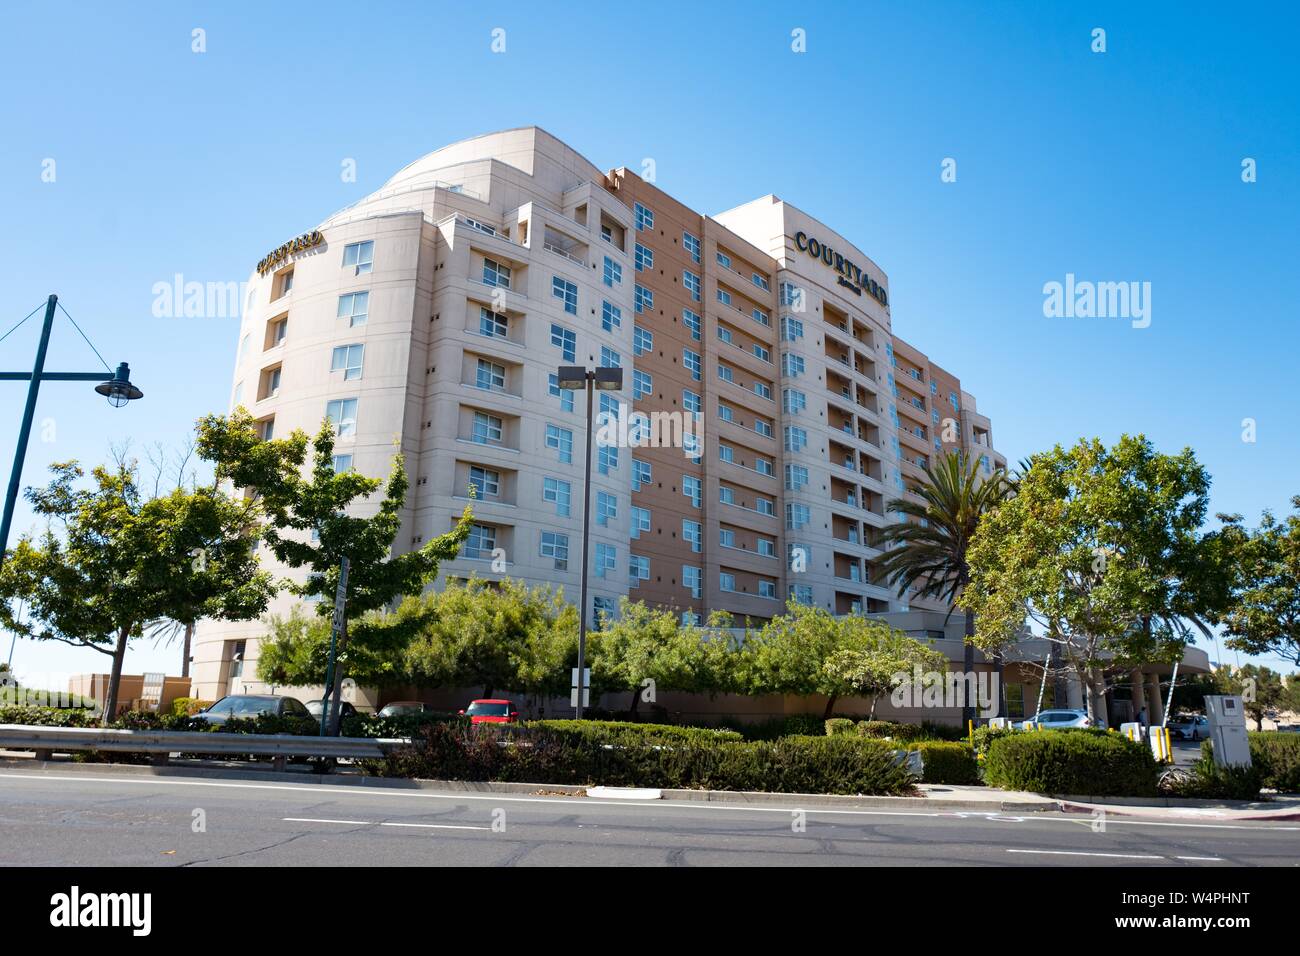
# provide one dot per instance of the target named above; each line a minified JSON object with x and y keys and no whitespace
{"x":1123,"y":165}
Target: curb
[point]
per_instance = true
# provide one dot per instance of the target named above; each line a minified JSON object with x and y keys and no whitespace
{"x":1196,"y":809}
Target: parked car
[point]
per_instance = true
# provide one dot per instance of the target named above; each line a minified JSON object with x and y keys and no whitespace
{"x":491,"y":710}
{"x":345,"y":709}
{"x":1060,"y":720}
{"x":404,"y":708}
{"x":1190,"y":727}
{"x":248,"y":706}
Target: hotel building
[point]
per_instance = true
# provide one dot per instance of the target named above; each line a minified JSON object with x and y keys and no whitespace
{"x":431,"y":316}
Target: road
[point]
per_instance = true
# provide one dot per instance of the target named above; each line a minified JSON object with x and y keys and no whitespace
{"x":72,"y":819}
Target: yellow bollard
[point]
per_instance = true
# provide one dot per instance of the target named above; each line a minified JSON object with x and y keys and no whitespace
{"x":1169,"y":747}
{"x":970,"y":732}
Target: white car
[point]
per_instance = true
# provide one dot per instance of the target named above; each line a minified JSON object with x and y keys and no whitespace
{"x":1059,"y":720}
{"x":1193,"y":727}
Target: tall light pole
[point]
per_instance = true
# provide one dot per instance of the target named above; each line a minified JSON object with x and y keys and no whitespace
{"x":118,"y":390}
{"x":575,"y":377}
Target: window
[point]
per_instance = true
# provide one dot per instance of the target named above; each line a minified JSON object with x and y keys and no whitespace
{"x":638,"y":570}
{"x":286,"y":284}
{"x":726,"y":453}
{"x":767,"y":547}
{"x":611,"y":316}
{"x":566,"y":340}
{"x":613,"y":274}
{"x":341,"y":463}
{"x":606,"y":558}
{"x":342,"y":413}
{"x":724,"y":260}
{"x":796,"y":438}
{"x":692,"y":402}
{"x":766,"y":588}
{"x":607,"y":459}
{"x":792,"y":365}
{"x":602,"y":609}
{"x":691,"y":489}
{"x":725,"y":412}
{"x":791,"y":329}
{"x":642,"y":384}
{"x":643,"y":258}
{"x":641,"y":472}
{"x":726,"y":496}
{"x":763,"y":427}
{"x":567,"y":292}
{"x":726,"y":538}
{"x":763,"y":390}
{"x":486,"y":482}
{"x":487,"y":429}
{"x":490,"y":375}
{"x":481,"y":542}
{"x":726,"y":581}
{"x":793,"y":401}
{"x":642,"y":298}
{"x":761,"y":281}
{"x":692,"y":283}
{"x":496,"y":274}
{"x":565,"y":395}
{"x":360,"y":256}
{"x":270,"y":383}
{"x":354,"y":306}
{"x":556,"y":547}
{"x":692,"y":245}
{"x":691,"y":361}
{"x":723,"y":296}
{"x":348,"y":359}
{"x":796,"y":476}
{"x":480,"y":226}
{"x":792,"y":296}
{"x":640,"y":521}
{"x":606,"y":507}
{"x":952,"y":399}
{"x":643,"y":340}
{"x":243,"y":345}
{"x":724,"y":334}
{"x":725,"y":373}
{"x":561,"y":439}
{"x":266,"y":428}
{"x":558,"y":493}
{"x":764,"y":466}
{"x":693,"y":534}
{"x":761,"y":317}
{"x":796,"y":516}
{"x":692,"y":322}
{"x":761,"y":353}
{"x":643,"y":217}
{"x":279,"y":329}
{"x":609,"y":358}
{"x":765,"y":506}
{"x":691,"y":580}
{"x":492,"y":324}
{"x":801,"y":593}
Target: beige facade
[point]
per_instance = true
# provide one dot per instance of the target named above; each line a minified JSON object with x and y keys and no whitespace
{"x":431,"y":316}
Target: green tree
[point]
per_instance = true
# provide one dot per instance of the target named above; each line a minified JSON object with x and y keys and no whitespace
{"x":1262,"y":690}
{"x":111,"y":560}
{"x":1262,"y":613}
{"x":810,"y":651}
{"x":300,"y":496}
{"x":1100,"y":548}
{"x":929,"y":549}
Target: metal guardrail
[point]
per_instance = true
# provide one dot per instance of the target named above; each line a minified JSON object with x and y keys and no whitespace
{"x":161,"y":744}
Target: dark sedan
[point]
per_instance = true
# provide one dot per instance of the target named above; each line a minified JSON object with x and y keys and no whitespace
{"x":249,"y":706}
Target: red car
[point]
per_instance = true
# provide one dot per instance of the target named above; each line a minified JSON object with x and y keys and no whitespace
{"x":491,"y":710}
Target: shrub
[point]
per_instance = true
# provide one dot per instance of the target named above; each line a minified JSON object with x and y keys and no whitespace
{"x":775,"y":728}
{"x":839,"y":725}
{"x":1057,"y":761}
{"x":48,"y":717}
{"x":792,"y":764}
{"x":1206,"y":780}
{"x":880,"y":729}
{"x":403,"y":725}
{"x":628,"y":733}
{"x":952,"y":732}
{"x":1277,"y":755}
{"x":189,"y":706}
{"x":983,"y":737}
{"x":947,"y":762}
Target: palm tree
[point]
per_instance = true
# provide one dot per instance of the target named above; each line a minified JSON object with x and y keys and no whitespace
{"x":928,"y":551}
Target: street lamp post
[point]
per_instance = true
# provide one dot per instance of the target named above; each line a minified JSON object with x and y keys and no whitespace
{"x":575,"y":377}
{"x":118,"y":390}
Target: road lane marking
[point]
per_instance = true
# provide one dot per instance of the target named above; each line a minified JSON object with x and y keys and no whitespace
{"x":434,"y":826}
{"x":1208,"y":859}
{"x":373,"y":823}
{"x":353,"y":823}
{"x":1113,"y":856}
{"x":356,"y":791}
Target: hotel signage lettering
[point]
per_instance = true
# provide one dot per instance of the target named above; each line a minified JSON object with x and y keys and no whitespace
{"x":850,"y":276}
{"x":307,"y":240}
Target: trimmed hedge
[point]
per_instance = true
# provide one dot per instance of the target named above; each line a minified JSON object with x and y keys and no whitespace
{"x":148,"y":720}
{"x":947,"y":762}
{"x":840,"y":725}
{"x":793,"y":764}
{"x":189,"y":706}
{"x":1071,"y":762}
{"x":402,"y":725}
{"x":625,"y":733}
{"x":1277,"y":754}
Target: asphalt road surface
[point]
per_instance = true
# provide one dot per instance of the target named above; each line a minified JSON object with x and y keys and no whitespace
{"x":72,"y":819}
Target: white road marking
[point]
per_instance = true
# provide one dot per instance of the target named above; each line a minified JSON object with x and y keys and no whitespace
{"x":434,"y":826}
{"x":372,"y":823}
{"x":345,"y":790}
{"x":1114,"y":856}
{"x":353,"y":823}
{"x":1210,"y":859}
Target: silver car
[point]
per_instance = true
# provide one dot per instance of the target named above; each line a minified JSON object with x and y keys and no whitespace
{"x":1059,"y":720}
{"x":1191,"y":727}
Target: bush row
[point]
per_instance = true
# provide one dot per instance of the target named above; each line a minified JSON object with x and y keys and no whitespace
{"x":148,"y":720}
{"x":1071,"y":762}
{"x":402,"y":725}
{"x":793,"y":764}
{"x":888,"y":729}
{"x":947,"y":762}
{"x":1277,"y":754}
{"x":621,"y":733}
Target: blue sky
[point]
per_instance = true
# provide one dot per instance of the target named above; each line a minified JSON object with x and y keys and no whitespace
{"x":1115,"y":166}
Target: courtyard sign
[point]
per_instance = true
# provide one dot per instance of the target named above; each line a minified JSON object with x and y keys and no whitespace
{"x":850,"y":276}
{"x":307,"y":240}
